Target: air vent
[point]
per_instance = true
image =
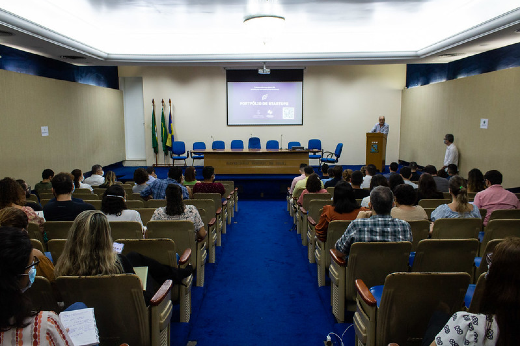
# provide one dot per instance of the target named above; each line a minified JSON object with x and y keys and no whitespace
{"x":5,"y":33}
{"x":450,"y":55}
{"x":73,"y":57}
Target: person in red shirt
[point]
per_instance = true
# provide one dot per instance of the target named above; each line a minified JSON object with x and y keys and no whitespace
{"x":208,"y":185}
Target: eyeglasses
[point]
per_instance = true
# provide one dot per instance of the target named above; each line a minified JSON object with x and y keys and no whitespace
{"x":34,"y":263}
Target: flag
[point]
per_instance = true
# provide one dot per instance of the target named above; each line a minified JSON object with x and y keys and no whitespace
{"x":155,"y":145}
{"x":169,"y":141}
{"x":164,"y":133}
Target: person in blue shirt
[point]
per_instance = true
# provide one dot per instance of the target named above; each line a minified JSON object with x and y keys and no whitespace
{"x":157,"y":189}
{"x":381,"y":126}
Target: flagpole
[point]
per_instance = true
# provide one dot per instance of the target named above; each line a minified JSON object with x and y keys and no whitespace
{"x":153,"y":112}
{"x":169,"y":129}
{"x":164,"y":157}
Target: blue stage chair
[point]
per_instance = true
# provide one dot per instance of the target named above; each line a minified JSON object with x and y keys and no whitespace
{"x":179,"y":151}
{"x":254,"y":143}
{"x":293,"y":144}
{"x":315,"y":144}
{"x":198,"y":146}
{"x":218,"y":145}
{"x":237,"y":144}
{"x":272,"y":144}
{"x":337,"y":154}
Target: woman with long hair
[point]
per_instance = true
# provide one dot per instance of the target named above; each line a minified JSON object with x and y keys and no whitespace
{"x":313,"y":185}
{"x":459,"y":206}
{"x":428,"y":188}
{"x":176,"y":210}
{"x":110,"y":179}
{"x":344,"y":207}
{"x":498,"y":318}
{"x":78,"y":180}
{"x":476,"y":181}
{"x":405,"y":208}
{"x":18,"y":323}
{"x":114,"y":206}
{"x":190,"y":176}
{"x":12,"y":195}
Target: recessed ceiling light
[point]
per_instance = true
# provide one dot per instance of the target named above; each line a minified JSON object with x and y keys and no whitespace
{"x":6,"y":33}
{"x":73,"y":57}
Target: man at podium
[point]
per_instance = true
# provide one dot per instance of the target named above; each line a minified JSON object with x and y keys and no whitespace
{"x":381,"y":126}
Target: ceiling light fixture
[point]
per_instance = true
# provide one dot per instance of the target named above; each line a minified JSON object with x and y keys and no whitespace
{"x":265,"y":26}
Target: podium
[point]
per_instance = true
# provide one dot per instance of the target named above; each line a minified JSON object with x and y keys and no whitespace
{"x":376,"y":150}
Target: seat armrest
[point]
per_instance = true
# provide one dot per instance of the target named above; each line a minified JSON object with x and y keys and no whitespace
{"x":224,"y":203}
{"x":303,"y":210}
{"x":393,"y":344}
{"x":311,"y":221}
{"x":212,"y":222}
{"x":219,"y":211}
{"x":185,"y":256}
{"x":365,"y":294}
{"x":161,"y":294}
{"x":200,"y":240}
{"x":338,"y":257}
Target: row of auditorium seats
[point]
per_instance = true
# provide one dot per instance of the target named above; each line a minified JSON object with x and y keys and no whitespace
{"x":387,"y":283}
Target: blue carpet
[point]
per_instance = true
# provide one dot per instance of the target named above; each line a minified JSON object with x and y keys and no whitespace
{"x":262,"y":290}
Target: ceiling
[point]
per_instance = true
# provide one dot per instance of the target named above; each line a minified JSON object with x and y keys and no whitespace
{"x":212,"y":32}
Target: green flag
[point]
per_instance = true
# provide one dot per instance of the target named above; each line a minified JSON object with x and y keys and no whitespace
{"x":155,"y":145}
{"x":164,"y":133}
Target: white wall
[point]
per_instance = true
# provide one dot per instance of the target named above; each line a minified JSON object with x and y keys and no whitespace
{"x":340,"y":104}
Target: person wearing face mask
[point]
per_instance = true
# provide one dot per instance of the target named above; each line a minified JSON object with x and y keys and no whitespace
{"x":96,"y":177}
{"x":78,"y":180}
{"x":114,"y":207}
{"x":64,"y":207}
{"x":452,"y":153}
{"x":19,"y":325}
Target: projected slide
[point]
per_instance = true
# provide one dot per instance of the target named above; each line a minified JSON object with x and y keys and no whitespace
{"x":264,"y":103}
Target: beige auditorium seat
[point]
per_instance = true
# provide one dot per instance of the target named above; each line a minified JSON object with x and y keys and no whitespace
{"x":467,"y":228}
{"x":33,"y":198}
{"x":95,"y":203}
{"x":407,"y":303}
{"x":42,"y":295}
{"x":121,"y":313}
{"x":420,"y":231}
{"x":183,"y":234}
{"x":57,"y":229}
{"x":99,"y":191}
{"x":220,"y":209}
{"x":302,"y":226}
{"x":313,"y":217}
{"x":134,"y":204}
{"x":164,"y":251}
{"x":38,"y":245}
{"x":230,"y":193}
{"x":146,"y":214}
{"x":55,"y":247}
{"x":433,"y":203}
{"x":34,"y":232}
{"x":474,"y":306}
{"x":500,"y":229}
{"x":84,"y":196}
{"x":134,"y":197}
{"x":155,"y":203}
{"x":505,"y":214}
{"x":126,"y":230}
{"x":483,"y":267}
{"x":206,"y":208}
{"x":322,"y":253}
{"x":368,"y":261}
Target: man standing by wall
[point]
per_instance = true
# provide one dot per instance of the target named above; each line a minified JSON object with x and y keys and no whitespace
{"x":452,"y":153}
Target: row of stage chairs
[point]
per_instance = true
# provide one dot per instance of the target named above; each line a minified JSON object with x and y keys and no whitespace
{"x":394,"y":287}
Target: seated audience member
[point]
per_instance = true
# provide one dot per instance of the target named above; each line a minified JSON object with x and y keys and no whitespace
{"x":356,"y":180}
{"x":452,"y":170}
{"x":151,"y":175}
{"x":298,"y":178}
{"x":347,"y":175}
{"x":405,"y":208}
{"x":12,"y":195}
{"x":89,"y":252}
{"x":190,"y":176}
{"x":96,"y":177}
{"x":27,"y":189}
{"x":13,"y":217}
{"x":313,"y":185}
{"x":300,"y":185}
{"x":427,"y":188}
{"x":19,"y":324}
{"x":415,"y":174}
{"x":377,"y":180}
{"x":394,"y":181}
{"x":344,"y":207}
{"x":114,"y":206}
{"x":110,"y":180}
{"x":442,"y":183}
{"x":140,"y":179}
{"x":63,"y":207}
{"x":337,"y":172}
{"x":45,"y":184}
{"x":208,"y":185}
{"x":176,"y":210}
{"x":363,"y":171}
{"x":375,"y":225}
{"x":325,"y":173}
{"x":393,"y":170}
{"x":476,"y":181}
{"x":77,"y":174}
{"x":443,"y":174}
{"x":406,"y":173}
{"x":371,"y":171}
{"x":495,"y":196}
{"x":459,"y":207}
{"x":157,"y":189}
{"x":498,"y":316}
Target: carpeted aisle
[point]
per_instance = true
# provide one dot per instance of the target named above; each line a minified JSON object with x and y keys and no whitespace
{"x":262,"y":291}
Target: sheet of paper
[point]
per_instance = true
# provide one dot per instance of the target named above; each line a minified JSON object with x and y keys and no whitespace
{"x":82,"y":326}
{"x":118,"y":247}
{"x":142,"y":273}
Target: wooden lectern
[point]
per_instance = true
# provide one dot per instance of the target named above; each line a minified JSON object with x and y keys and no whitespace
{"x":376,"y":150}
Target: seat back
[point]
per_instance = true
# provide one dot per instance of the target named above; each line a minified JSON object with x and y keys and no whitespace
{"x":500,"y":229}
{"x":433,"y":203}
{"x":272,"y":144}
{"x":126,"y":230}
{"x":293,"y":144}
{"x":34,"y":232}
{"x":420,"y":231}
{"x":254,"y":143}
{"x":334,"y":232}
{"x":445,"y":255}
{"x":474,"y":306}
{"x":237,"y":144}
{"x":314,"y":144}
{"x":315,"y":208}
{"x":505,"y":214}
{"x":119,"y":307}
{"x":218,"y":145}
{"x":199,"y":146}
{"x":490,"y":247}
{"x":208,"y":205}
{"x":178,"y":148}
{"x":312,"y":196}
{"x":215,"y":197}
{"x":463,"y":228}
{"x":146,"y":214}
{"x":162,"y":250}
{"x":57,"y":229}
{"x":155,"y":203}
{"x":36,"y":244}
{"x":86,"y":196}
{"x":182,"y":232}
{"x":134,"y":204}
{"x":373,"y":261}
{"x":409,"y":300}
{"x":55,"y":247}
{"x":96,"y":203}
{"x":339,"y":149}
{"x":42,"y":295}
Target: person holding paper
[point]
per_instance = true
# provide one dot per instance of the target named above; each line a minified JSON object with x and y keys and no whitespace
{"x":20,"y":325}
